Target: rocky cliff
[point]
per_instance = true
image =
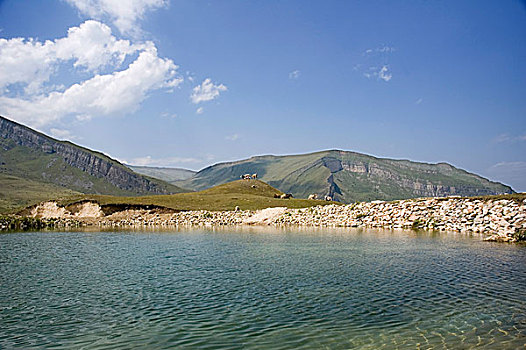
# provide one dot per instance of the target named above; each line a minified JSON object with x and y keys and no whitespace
{"x":350,"y":176}
{"x":102,"y":172}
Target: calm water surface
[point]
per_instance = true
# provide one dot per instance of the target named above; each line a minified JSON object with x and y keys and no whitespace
{"x":274,"y":289}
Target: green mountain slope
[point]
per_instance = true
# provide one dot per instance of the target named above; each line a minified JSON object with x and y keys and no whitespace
{"x":350,"y":176}
{"x":63,"y":167}
{"x":166,"y":174}
{"x":16,"y":193}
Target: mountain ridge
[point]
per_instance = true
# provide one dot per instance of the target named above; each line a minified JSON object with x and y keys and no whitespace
{"x":346,"y":176}
{"x":167,"y":174}
{"x":28,"y":154}
{"x":350,"y":176}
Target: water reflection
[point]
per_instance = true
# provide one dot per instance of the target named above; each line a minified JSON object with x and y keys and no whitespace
{"x":257,"y":287}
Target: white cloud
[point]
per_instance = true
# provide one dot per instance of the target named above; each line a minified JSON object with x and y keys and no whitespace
{"x":381,"y":73}
{"x":125,"y":14}
{"x":377,"y":60}
{"x":504,"y":138}
{"x":90,"y":45}
{"x":386,"y":49}
{"x":24,"y":62}
{"x":62,"y":134}
{"x":207,"y":91}
{"x":511,"y":165}
{"x":200,"y":110}
{"x":190,"y":76}
{"x":169,"y":115}
{"x":384,"y":74}
{"x":380,"y":49}
{"x":233,"y":137}
{"x":295,"y":74}
{"x":83,"y":117}
{"x":109,"y":94}
{"x":149,"y":161}
{"x":93,"y":46}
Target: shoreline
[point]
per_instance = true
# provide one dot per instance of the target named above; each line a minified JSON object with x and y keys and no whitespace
{"x":501,"y":220}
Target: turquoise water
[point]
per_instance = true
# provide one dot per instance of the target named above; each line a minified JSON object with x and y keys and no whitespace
{"x":257,"y":289}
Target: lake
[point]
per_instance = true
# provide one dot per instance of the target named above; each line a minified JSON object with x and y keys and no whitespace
{"x":260,"y":288}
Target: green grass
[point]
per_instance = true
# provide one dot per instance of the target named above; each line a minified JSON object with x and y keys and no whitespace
{"x":17,"y":193}
{"x":223,"y":197}
{"x":51,"y":168}
{"x":517,"y":197}
{"x":387,"y":179}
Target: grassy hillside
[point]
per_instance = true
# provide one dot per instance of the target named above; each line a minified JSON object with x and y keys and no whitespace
{"x":17,"y":193}
{"x":224,"y":197}
{"x":36,"y":165}
{"x":166,"y":174}
{"x":350,"y":176}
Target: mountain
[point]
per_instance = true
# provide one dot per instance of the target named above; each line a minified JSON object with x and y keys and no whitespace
{"x":166,"y":174}
{"x":350,"y":177}
{"x":29,"y":158}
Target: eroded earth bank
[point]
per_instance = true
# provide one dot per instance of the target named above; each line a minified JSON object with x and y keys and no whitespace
{"x":497,"y":219}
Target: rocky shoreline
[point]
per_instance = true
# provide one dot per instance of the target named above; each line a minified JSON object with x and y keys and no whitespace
{"x":498,"y":219}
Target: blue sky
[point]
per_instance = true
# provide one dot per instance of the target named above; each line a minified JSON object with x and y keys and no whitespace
{"x":191,"y":83}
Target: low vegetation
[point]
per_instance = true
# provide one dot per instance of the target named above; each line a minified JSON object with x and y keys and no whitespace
{"x":349,"y":177}
{"x":245,"y":194}
{"x":17,"y":193}
{"x":517,"y":197}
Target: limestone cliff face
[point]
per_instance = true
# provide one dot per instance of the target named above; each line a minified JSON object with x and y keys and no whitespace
{"x":417,"y":179}
{"x":350,"y":176}
{"x":92,"y":163}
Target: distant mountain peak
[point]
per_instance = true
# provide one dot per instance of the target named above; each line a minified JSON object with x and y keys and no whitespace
{"x":349,"y":176}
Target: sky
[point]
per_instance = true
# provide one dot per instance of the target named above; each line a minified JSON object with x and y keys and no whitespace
{"x":190,"y":83}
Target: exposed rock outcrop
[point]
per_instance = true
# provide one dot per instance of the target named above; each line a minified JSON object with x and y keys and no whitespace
{"x":93,"y":163}
{"x":502,"y":220}
{"x":350,"y":176}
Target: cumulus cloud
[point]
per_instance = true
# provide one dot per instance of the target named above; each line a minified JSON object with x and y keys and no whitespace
{"x":93,"y":46}
{"x":90,"y":46}
{"x":295,"y":74}
{"x":125,"y":14}
{"x":200,"y":110}
{"x":28,"y":68}
{"x":207,"y":91}
{"x":150,"y":161}
{"x":115,"y":93}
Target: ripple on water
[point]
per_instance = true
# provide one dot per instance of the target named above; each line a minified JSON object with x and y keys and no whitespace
{"x":273,"y":289}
